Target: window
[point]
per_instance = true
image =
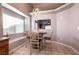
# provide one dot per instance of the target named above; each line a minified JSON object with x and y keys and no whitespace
{"x":12,"y":25}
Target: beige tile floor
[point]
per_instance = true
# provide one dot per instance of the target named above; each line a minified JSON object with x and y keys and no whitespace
{"x":50,"y":49}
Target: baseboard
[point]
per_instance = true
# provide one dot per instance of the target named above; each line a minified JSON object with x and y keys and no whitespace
{"x":67,"y":46}
{"x":10,"y":52}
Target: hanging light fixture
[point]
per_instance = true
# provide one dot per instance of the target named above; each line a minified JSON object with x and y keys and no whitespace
{"x":35,"y":14}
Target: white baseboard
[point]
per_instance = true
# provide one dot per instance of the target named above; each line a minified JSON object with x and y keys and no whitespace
{"x":67,"y":46}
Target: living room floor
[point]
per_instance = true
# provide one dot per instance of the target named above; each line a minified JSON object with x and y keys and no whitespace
{"x":50,"y":49}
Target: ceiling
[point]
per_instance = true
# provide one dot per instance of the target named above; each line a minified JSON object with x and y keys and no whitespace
{"x":46,"y":6}
{"x":28,"y":7}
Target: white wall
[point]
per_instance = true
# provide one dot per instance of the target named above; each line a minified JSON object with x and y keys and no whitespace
{"x":68,"y":26}
{"x":53,"y":23}
{"x":27,"y":23}
{"x":65,"y":25}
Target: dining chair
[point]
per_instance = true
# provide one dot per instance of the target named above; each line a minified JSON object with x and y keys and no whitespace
{"x":34,"y":43}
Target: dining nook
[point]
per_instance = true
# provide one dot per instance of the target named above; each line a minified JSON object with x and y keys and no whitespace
{"x":39,"y":29}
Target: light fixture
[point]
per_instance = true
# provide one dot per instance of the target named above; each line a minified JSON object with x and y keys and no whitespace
{"x":35,"y":17}
{"x":35,"y":14}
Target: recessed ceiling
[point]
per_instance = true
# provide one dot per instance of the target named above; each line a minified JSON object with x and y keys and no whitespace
{"x":28,"y":7}
{"x":46,"y":6}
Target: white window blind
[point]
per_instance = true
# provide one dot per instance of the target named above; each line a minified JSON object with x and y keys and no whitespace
{"x":12,"y":22}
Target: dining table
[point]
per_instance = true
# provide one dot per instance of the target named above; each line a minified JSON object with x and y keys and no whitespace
{"x":40,"y":39}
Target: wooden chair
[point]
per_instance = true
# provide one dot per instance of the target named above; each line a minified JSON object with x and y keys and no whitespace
{"x":34,"y":43}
